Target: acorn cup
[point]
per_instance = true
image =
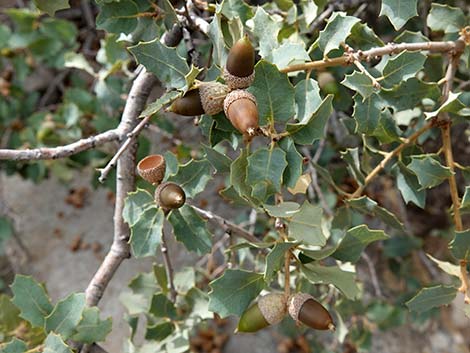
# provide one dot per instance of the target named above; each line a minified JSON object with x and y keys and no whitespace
{"x":303,"y":308}
{"x":239,"y":68}
{"x":240,"y":108}
{"x":207,"y":97}
{"x":152,"y":168}
{"x":169,"y":196}
{"x":269,"y":310}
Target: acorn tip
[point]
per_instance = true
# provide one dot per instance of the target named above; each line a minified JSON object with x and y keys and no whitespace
{"x":331,"y":327}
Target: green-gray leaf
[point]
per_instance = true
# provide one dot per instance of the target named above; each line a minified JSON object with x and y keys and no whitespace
{"x":402,"y":67}
{"x":367,"y":206}
{"x":161,"y":306}
{"x":190,"y":229}
{"x":233,"y":292}
{"x":66,"y":315}
{"x":367,"y":113}
{"x":51,"y":6}
{"x":307,"y":99}
{"x":306,"y":132}
{"x":55,"y":344}
{"x":193,"y":176}
{"x":399,"y":11}
{"x":432,"y":297}
{"x":343,"y":280}
{"x":460,"y":245}
{"x":445,"y":18}
{"x":218,"y":160}
{"x":359,"y":82}
{"x":275,"y":259}
{"x":135,"y":204}
{"x":465,"y":204}
{"x":295,"y":160}
{"x":429,"y":171}
{"x":355,"y":241}
{"x":164,"y":62}
{"x":118,"y":17}
{"x":407,"y":183}
{"x":274,"y":94}
{"x":146,"y":233}
{"x":305,"y":225}
{"x":91,"y":328}
{"x":336,"y":31}
{"x":154,"y":107}
{"x":266,"y":29}
{"x":14,"y":346}
{"x":284,"y":210}
{"x":289,"y":54}
{"x":32,"y":300}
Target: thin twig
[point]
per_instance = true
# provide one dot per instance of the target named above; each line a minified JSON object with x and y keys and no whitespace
{"x":131,"y":137}
{"x":373,"y":275}
{"x":168,"y":267}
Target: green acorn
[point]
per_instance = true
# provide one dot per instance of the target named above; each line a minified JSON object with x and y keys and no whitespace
{"x":169,"y":196}
{"x":152,"y":168}
{"x":241,"y":109}
{"x":303,"y":308}
{"x":207,"y":97}
{"x":239,"y":68}
{"x":269,"y":310}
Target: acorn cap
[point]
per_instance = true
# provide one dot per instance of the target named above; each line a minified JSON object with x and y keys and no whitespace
{"x":169,"y":196}
{"x":236,"y":82}
{"x":244,"y":112}
{"x":212,"y":95}
{"x":305,"y":309}
{"x":189,"y":105}
{"x":269,"y":310}
{"x":152,"y":168}
{"x":240,"y":64}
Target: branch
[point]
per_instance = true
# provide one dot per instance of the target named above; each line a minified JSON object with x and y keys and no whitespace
{"x":131,"y":137}
{"x":391,"y":48}
{"x":229,"y":227}
{"x":389,"y":156}
{"x":61,"y":151}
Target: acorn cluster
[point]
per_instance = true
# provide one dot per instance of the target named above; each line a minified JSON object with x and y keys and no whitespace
{"x":272,"y":308}
{"x":212,"y":97}
{"x":168,"y":195}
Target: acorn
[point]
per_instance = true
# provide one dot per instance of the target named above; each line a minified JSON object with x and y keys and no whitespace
{"x":152,"y":168}
{"x":207,"y":97}
{"x":240,"y":108}
{"x":169,"y":196}
{"x":239,"y":68}
{"x":303,"y":308}
{"x":269,"y":310}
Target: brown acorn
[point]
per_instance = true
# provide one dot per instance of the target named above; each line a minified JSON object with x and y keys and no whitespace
{"x":207,"y":98}
{"x":239,"y":68}
{"x":152,"y":168}
{"x":269,"y":310}
{"x":169,"y":196}
{"x":240,"y":108}
{"x":303,"y":308}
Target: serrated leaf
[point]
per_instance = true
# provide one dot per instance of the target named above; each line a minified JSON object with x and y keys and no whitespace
{"x":266,"y":29}
{"x":274,"y":94}
{"x":447,"y":267}
{"x":144,"y":283}
{"x":161,"y":306}
{"x":91,"y":328}
{"x":191,"y":77}
{"x":159,"y":331}
{"x":234,"y":8}
{"x":32,"y":300}
{"x":135,"y":204}
{"x":199,"y":304}
{"x":305,"y":225}
{"x":117,"y":17}
{"x":164,"y":62}
{"x":218,"y":160}
{"x":283,"y":210}
{"x":51,"y":6}
{"x":307,"y":99}
{"x":155,"y":107}
{"x":460,"y":245}
{"x":343,"y":280}
{"x":451,"y":105}
{"x":445,"y":18}
{"x":14,"y":346}
{"x":308,"y":255}
{"x":351,"y":156}
{"x":432,"y":297}
{"x":66,"y":315}
{"x":363,"y":37}
{"x":146,"y":233}
{"x":294,"y":159}
{"x":266,"y":166}
{"x":408,"y":94}
{"x":387,"y":131}
{"x":9,"y":314}
{"x":307,"y":132}
{"x":289,"y":54}
{"x":238,"y":170}
{"x":215,"y":34}
{"x":407,"y":183}
{"x":402,"y":67}
{"x":169,"y":14}
{"x":190,"y":229}
{"x":336,"y":31}
{"x":55,"y":344}
{"x":355,"y":241}
{"x":233,"y":292}
{"x":359,"y":82}
{"x":465,"y":203}
{"x":367,"y":206}
{"x":275,"y":259}
{"x":429,"y":171}
{"x":367,"y":113}
{"x":399,"y":11}
{"x":193,"y":176}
